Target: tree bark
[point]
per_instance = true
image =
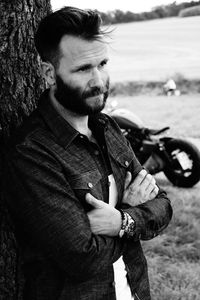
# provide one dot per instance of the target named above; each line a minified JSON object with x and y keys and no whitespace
{"x":20,"y":87}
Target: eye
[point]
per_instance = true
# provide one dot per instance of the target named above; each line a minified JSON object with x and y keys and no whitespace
{"x":103,"y":63}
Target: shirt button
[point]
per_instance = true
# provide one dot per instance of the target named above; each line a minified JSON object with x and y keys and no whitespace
{"x":112,"y":284}
{"x":96,"y":152}
{"x":81,"y":136}
{"x":90,"y":185}
{"x":126,"y":163}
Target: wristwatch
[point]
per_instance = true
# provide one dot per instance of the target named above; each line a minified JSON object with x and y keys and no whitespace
{"x":127,"y":226}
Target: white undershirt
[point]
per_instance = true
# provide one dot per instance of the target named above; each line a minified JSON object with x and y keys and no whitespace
{"x":122,"y":287}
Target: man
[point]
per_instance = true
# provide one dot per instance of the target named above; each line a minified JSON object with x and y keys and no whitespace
{"x":79,"y":198}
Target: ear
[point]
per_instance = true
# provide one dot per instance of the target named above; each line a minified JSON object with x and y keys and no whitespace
{"x":48,"y":72}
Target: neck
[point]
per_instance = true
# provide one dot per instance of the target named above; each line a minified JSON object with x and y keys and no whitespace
{"x":79,"y":122}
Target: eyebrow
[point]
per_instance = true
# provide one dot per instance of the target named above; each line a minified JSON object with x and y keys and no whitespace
{"x":87,"y":66}
{"x":83,"y":66}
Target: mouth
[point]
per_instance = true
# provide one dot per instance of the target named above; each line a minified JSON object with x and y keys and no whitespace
{"x":99,"y":96}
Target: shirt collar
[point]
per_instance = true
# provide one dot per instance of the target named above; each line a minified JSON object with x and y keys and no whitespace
{"x":61,"y":129}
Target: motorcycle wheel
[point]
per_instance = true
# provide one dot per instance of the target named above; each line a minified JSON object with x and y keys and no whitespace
{"x":184,"y":169}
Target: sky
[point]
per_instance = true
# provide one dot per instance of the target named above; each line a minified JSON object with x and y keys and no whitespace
{"x":106,"y":5}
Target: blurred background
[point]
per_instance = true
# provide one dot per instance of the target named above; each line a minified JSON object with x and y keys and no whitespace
{"x":149,"y":35}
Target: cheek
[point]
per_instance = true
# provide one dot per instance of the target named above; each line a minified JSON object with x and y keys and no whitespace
{"x":78,"y":82}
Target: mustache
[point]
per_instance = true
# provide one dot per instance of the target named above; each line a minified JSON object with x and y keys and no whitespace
{"x":96,"y":91}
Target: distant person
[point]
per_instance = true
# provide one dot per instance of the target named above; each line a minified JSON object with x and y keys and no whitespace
{"x":170,"y":88}
{"x":80,"y":200}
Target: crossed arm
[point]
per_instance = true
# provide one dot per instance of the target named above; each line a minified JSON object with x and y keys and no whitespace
{"x":105,"y":219}
{"x":55,"y":222}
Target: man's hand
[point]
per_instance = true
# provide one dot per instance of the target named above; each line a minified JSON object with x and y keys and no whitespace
{"x":104,"y":219}
{"x":142,"y":189}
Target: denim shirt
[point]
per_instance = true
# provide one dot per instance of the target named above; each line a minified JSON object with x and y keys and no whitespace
{"x":49,"y":169}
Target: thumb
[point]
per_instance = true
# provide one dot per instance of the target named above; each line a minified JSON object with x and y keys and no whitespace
{"x":94,"y":201}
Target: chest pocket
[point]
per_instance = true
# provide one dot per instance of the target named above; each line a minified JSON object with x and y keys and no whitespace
{"x":127,"y":161}
{"x":124,"y":159}
{"x":88,"y":182}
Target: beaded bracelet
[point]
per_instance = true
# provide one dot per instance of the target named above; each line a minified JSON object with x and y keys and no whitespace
{"x":124,"y":223}
{"x":127,"y":226}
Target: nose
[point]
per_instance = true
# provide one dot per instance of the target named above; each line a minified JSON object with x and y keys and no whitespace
{"x":96,"y":79}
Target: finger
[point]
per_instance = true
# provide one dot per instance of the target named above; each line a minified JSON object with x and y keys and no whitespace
{"x":149,"y":193}
{"x":139,"y":178}
{"x":94,"y":201}
{"x":154,"y":193}
{"x":127,"y":180}
{"x":147,"y":183}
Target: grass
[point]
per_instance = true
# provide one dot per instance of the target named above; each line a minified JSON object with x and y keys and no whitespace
{"x":143,"y":56}
{"x":174,"y":256}
{"x":155,"y":50}
{"x":180,"y":113}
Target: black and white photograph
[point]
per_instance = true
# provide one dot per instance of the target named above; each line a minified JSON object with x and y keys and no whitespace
{"x":100,"y":150}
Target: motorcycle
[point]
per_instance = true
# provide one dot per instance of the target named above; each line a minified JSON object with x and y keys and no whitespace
{"x":177,"y":158}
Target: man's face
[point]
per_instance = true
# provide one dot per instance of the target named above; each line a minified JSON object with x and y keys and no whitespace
{"x":82,"y":81}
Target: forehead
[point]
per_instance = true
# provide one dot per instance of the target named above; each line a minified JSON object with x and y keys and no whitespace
{"x":77,"y":51}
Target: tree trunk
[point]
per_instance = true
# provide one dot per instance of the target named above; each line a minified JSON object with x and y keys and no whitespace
{"x":21,"y":85}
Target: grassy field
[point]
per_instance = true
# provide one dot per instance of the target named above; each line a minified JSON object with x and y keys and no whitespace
{"x":180,"y":113}
{"x":174,"y":256}
{"x":155,"y":50}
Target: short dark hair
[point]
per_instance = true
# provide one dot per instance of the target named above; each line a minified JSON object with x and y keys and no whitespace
{"x":85,"y":24}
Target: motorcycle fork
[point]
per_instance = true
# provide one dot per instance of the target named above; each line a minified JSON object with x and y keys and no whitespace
{"x":161,"y":158}
{"x":156,"y":161}
{"x":164,"y":155}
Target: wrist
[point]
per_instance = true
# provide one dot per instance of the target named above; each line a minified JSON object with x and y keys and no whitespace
{"x":118,"y":221}
{"x":127,"y":225}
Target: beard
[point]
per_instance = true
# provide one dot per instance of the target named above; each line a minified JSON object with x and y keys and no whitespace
{"x":79,"y":102}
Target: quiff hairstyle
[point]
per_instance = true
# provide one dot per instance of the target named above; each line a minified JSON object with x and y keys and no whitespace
{"x":69,"y":20}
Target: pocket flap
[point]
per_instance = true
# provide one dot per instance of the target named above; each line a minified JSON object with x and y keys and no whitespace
{"x":85,"y":181}
{"x":125,"y":158}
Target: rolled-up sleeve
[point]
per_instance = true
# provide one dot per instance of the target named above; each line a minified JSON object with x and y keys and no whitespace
{"x":151,"y":217}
